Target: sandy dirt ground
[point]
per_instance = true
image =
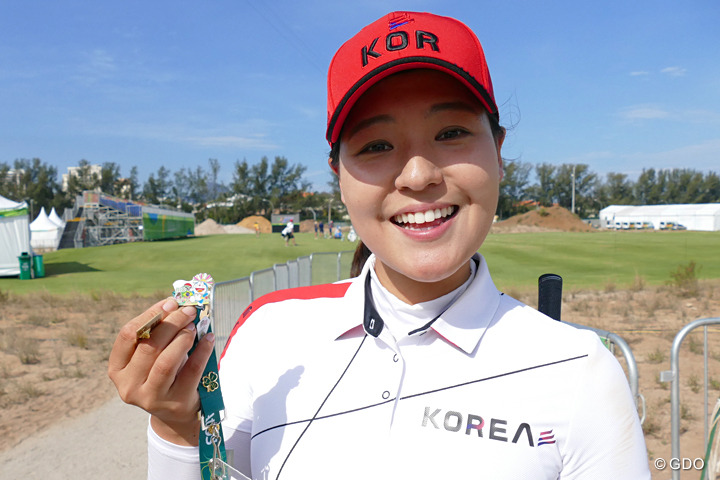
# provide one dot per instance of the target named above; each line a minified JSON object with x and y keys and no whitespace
{"x":55,"y":394}
{"x":60,"y":417}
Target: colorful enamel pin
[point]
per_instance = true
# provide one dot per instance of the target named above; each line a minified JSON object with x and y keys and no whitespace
{"x":197,"y":292}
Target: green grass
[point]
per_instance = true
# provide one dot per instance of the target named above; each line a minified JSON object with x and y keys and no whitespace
{"x":150,"y":267}
{"x":585,"y":260}
{"x":592,"y":260}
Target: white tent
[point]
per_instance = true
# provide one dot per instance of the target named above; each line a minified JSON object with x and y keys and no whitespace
{"x":14,"y":235}
{"x":700,"y":216}
{"x":45,"y":234}
{"x":55,"y":218}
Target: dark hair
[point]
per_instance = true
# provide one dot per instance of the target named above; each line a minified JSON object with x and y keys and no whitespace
{"x":359,"y":258}
{"x":361,"y":251}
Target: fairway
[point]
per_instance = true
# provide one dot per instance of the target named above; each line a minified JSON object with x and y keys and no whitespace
{"x":150,"y":267}
{"x":595,"y":259}
{"x":585,"y":260}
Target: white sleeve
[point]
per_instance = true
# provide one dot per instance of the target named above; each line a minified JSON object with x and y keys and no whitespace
{"x":167,"y":460}
{"x":605,"y":438}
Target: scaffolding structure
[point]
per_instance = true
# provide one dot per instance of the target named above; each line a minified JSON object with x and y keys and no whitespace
{"x":99,"y":219}
{"x":106,"y":221}
{"x":106,"y":226}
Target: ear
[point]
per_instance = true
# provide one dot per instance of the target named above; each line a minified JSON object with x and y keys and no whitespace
{"x":498,"y":147}
{"x":334,"y":168}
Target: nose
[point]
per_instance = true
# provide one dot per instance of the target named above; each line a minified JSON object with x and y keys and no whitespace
{"x":418,"y":173}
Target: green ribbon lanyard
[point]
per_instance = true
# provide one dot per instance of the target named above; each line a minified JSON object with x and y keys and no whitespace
{"x":213,"y":457}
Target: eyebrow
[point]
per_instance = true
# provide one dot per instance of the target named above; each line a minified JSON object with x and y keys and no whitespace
{"x":368,"y":122}
{"x":437,"y":108}
{"x":462,"y":106}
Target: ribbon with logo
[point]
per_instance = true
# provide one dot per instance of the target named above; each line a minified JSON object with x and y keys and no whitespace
{"x":213,"y":458}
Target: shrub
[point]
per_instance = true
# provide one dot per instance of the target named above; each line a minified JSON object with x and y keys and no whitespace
{"x":658,"y":356}
{"x":685,"y":281}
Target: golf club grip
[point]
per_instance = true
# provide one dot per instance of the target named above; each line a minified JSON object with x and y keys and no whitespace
{"x":550,"y":295}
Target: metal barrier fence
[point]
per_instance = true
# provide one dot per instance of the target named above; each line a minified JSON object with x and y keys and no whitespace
{"x":232,"y":297}
{"x":673,"y":375}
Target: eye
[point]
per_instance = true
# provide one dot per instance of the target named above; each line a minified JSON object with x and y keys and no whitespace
{"x":452,"y":133}
{"x":376,"y":147}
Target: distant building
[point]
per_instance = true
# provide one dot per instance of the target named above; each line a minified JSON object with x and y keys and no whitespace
{"x":14,"y":176}
{"x":700,"y":216}
{"x":74,"y":172}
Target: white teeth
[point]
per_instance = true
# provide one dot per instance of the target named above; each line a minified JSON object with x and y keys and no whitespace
{"x":419,"y":218}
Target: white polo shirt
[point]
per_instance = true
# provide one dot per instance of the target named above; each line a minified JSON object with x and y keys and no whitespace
{"x":491,"y":389}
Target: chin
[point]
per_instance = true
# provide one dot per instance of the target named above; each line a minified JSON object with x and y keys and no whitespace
{"x":433,"y":270}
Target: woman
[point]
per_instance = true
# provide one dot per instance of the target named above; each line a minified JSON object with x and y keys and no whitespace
{"x":429,"y":372}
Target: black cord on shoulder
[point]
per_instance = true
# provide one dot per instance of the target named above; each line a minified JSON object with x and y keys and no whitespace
{"x":320,"y":407}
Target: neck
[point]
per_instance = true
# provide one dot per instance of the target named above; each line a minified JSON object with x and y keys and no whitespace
{"x":413,"y":291}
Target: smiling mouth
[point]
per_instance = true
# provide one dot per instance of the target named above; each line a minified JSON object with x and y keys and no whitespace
{"x":426,"y":219}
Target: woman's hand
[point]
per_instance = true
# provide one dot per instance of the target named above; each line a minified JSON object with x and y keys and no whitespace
{"x":157,"y":375}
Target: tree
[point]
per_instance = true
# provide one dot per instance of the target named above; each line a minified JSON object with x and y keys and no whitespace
{"x":158,"y":189}
{"x":711,"y":187}
{"x":514,"y":187}
{"x":544,"y":190}
{"x":213,"y":187}
{"x":645,"y":189}
{"x":689,"y":184}
{"x":280,"y":185}
{"x":133,"y":184}
{"x":584,"y":183}
{"x":618,"y":190}
{"x":83,"y":178}
{"x":181,"y":186}
{"x":110,"y":179}
{"x":35,"y":182}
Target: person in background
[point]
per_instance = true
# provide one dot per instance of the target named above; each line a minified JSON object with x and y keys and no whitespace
{"x":288,"y":233}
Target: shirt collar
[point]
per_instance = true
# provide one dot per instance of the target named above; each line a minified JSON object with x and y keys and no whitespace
{"x":465,"y":322}
{"x":462,"y":325}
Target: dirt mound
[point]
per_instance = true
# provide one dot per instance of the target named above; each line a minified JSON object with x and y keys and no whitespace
{"x":249,"y":222}
{"x":544,"y":219}
{"x":307,"y":226}
{"x":209,"y":227}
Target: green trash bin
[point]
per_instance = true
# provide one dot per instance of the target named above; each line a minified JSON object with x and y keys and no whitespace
{"x":25,"y":266}
{"x":38,"y":266}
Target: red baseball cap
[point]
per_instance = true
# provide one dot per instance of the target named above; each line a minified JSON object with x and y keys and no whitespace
{"x":404,"y":41}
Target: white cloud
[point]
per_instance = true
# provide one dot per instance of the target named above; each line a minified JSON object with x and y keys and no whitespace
{"x":643,"y":112}
{"x":674,"y":71}
{"x":639,"y":73}
{"x":101,"y":60}
{"x":636,"y":113}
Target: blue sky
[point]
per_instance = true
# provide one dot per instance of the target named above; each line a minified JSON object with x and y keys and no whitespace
{"x":618,"y":85}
